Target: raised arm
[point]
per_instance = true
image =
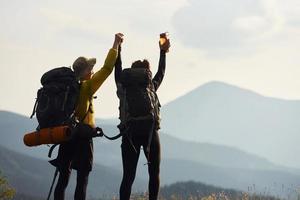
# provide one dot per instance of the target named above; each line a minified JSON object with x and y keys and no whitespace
{"x":164,"y":48}
{"x":161,"y":70}
{"x":118,"y":66}
{"x":100,"y":76}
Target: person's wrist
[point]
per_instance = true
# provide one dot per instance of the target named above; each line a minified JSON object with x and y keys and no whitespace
{"x":163,"y":51}
{"x":115,"y":45}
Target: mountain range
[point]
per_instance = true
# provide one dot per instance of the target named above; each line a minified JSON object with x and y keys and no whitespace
{"x":220,"y":113}
{"x":218,"y":165}
{"x":217,"y":134}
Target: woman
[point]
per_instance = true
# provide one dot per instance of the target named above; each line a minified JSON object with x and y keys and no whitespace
{"x":137,"y":91}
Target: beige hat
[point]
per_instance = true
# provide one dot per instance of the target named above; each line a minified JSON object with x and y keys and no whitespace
{"x":81,"y":63}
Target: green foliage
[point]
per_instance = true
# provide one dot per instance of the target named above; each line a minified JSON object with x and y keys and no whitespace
{"x":6,"y":192}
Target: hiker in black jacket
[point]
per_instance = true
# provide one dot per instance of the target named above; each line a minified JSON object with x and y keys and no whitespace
{"x":139,"y":131}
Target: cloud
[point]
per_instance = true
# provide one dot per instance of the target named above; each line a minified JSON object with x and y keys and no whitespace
{"x":250,"y":24}
{"x":219,"y":26}
{"x":291,"y":11}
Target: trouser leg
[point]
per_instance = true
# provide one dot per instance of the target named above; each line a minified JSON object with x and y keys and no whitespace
{"x":129,"y":159}
{"x":62,"y":183}
{"x":154,"y":166}
{"x":81,"y":185}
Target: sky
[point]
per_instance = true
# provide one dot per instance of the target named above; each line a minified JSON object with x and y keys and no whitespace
{"x":253,"y":44}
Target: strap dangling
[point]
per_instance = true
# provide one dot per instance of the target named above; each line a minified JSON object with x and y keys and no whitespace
{"x":149,"y":143}
{"x":51,"y":150}
{"x":34,"y":108}
{"x":53,"y":181}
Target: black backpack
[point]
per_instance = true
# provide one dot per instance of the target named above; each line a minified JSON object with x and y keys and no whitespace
{"x":139,"y":105}
{"x":139,"y":99}
{"x":56,"y":100}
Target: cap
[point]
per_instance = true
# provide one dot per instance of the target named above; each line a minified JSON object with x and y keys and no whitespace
{"x":82,"y":63}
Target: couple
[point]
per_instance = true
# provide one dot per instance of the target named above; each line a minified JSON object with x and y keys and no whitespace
{"x":78,"y":154}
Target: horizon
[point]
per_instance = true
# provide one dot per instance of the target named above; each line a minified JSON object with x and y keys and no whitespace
{"x":115,"y":115}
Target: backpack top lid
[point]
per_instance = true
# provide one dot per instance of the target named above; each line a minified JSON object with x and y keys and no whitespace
{"x":136,"y":77}
{"x":61,"y":74}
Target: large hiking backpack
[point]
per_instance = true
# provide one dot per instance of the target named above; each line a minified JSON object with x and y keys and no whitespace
{"x":139,"y":106}
{"x":57,"y":99}
{"x":139,"y":99}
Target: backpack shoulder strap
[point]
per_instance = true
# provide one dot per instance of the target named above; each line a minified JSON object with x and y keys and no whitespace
{"x":85,"y":115}
{"x":34,"y":108}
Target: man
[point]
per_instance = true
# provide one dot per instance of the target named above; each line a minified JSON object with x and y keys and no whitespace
{"x":140,"y":130}
{"x":78,"y":153}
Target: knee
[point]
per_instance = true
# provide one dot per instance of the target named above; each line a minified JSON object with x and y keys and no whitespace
{"x":64,"y":176}
{"x":82,"y":177}
{"x":128,"y":179}
{"x":154,"y":171}
{"x":65,"y":171}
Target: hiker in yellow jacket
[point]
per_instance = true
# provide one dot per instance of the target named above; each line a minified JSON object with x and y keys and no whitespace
{"x":78,"y":154}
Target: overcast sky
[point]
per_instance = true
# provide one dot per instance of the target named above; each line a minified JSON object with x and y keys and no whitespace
{"x":252,"y":44}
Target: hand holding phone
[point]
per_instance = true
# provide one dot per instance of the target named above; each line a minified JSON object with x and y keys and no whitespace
{"x":164,"y":42}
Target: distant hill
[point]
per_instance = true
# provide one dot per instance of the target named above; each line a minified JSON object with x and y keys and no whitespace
{"x":220,"y":113}
{"x":194,"y":190}
{"x":32,"y":176}
{"x":181,"y":160}
{"x":277,"y":183}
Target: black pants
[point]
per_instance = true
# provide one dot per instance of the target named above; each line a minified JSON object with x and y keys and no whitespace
{"x":130,"y":160}
{"x":77,"y":154}
{"x":63,"y":180}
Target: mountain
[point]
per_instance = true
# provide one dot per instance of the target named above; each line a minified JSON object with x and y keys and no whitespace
{"x":181,"y":160}
{"x":223,"y":114}
{"x":32,"y":176}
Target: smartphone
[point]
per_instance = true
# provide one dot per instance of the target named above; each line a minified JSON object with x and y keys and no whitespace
{"x":163,"y":37}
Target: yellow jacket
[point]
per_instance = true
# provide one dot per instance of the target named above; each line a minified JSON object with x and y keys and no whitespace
{"x":89,"y":87}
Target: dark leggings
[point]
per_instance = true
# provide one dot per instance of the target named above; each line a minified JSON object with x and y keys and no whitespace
{"x":63,"y":180}
{"x":130,"y":160}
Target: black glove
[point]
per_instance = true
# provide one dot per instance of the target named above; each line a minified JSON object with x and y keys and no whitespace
{"x":98,"y":132}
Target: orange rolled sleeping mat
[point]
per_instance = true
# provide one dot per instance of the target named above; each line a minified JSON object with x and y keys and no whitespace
{"x":53,"y":135}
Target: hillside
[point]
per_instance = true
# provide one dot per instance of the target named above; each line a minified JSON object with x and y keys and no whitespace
{"x":208,"y":163}
{"x":32,"y":176}
{"x":196,"y":190}
{"x":241,"y":179}
{"x":218,"y":155}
